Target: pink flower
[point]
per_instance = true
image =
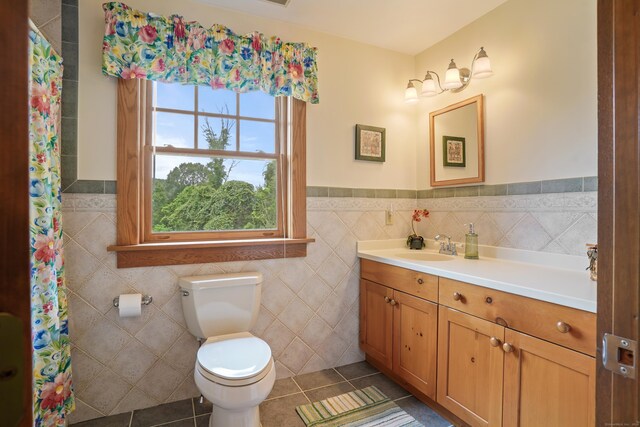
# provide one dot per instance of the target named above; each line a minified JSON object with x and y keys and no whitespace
{"x":158,"y":65}
{"x":227,"y":46}
{"x":45,"y":246}
{"x":40,"y":98}
{"x":197,"y":37}
{"x":236,"y":75}
{"x":47,"y":307}
{"x":196,"y":59}
{"x":256,"y":43}
{"x":216,"y":83}
{"x":148,"y":34}
{"x":295,"y":70}
{"x":110,"y":23}
{"x":178,"y":27}
{"x":135,"y":72}
{"x":54,"y":394}
{"x":418,"y":214}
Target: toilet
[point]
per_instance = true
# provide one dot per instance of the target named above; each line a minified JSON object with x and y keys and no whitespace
{"x":234,"y":369}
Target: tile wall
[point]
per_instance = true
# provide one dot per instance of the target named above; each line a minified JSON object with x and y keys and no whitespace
{"x":46,"y":15}
{"x":309,"y":313}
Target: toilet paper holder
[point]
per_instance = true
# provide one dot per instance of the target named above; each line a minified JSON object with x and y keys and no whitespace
{"x":146,"y":300}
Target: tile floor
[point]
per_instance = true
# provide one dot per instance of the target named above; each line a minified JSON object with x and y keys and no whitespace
{"x":279,"y":408}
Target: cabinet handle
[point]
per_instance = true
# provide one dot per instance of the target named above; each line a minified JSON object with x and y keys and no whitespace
{"x":386,"y":299}
{"x":393,"y":302}
{"x":562,"y":327}
{"x":495,"y":342}
{"x":457,"y":296}
{"x":508,"y":348}
{"x":420,"y":281}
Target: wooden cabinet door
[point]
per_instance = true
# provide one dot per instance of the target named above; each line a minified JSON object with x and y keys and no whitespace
{"x":376,"y":321}
{"x":415,"y":340}
{"x":470,"y":367}
{"x":547,"y":385}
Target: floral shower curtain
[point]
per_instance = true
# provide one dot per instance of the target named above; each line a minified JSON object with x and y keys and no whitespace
{"x":52,"y":391}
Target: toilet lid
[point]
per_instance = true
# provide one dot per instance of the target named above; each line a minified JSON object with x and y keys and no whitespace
{"x":234,"y":356}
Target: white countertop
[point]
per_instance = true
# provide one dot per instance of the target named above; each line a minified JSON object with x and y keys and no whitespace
{"x":555,"y":278}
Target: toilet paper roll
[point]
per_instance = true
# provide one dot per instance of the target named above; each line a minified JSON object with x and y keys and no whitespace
{"x":130,"y":305}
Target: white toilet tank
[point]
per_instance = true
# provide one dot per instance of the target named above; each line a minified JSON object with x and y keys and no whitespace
{"x":220,"y":304}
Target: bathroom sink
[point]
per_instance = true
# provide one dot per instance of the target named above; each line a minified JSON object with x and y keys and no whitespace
{"x":424,"y":256}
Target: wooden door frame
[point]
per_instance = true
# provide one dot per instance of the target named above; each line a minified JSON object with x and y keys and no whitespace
{"x":618,"y":200}
{"x":14,"y":176}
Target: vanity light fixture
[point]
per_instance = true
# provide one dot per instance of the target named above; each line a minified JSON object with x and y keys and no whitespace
{"x":455,"y":79}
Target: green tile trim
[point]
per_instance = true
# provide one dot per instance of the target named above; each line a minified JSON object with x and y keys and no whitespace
{"x":568,"y":185}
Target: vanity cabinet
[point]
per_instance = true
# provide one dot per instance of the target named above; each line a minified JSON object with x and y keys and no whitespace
{"x":502,"y":359}
{"x":398,"y":329}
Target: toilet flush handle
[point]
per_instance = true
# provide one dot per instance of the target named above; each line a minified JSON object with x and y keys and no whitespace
{"x":185,"y":293}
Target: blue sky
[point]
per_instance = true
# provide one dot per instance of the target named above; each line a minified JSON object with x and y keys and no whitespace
{"x":178,"y":129}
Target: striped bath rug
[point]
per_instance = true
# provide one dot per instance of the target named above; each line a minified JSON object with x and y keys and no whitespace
{"x":368,"y":407}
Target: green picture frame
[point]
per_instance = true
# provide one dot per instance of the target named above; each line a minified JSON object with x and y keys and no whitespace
{"x":370,"y":143}
{"x":454,"y":151}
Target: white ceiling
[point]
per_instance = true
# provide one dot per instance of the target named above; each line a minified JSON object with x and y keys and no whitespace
{"x":407,"y":26}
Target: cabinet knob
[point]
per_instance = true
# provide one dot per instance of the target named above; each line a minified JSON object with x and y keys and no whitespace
{"x":386,"y":299}
{"x":420,"y":281}
{"x":495,"y":342}
{"x":393,"y":302}
{"x":508,"y":348}
{"x":562,"y":327}
{"x":457,"y":296}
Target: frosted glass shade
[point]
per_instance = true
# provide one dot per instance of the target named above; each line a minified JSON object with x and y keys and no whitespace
{"x":410,"y":94}
{"x":452,"y":78}
{"x":482,"y":68}
{"x":429,"y":87}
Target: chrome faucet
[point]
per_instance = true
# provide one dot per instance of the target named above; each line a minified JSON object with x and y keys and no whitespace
{"x":447,"y":248}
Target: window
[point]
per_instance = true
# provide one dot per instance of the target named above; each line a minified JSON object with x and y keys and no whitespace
{"x":208,"y":175}
{"x":214,"y":163}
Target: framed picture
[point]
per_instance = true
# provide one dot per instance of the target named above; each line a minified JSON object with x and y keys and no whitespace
{"x":454,"y":151}
{"x":370,"y":143}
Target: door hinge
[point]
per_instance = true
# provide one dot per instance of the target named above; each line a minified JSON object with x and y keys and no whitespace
{"x":619,"y":355}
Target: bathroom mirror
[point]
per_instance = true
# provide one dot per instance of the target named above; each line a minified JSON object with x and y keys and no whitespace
{"x":457,"y":143}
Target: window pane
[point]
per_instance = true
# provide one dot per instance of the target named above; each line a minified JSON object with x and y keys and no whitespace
{"x":257,"y":136}
{"x":219,"y":101}
{"x":213,"y":194}
{"x":215,"y":133}
{"x":173,"y":129}
{"x":175,"y":95}
{"x":257,"y":104}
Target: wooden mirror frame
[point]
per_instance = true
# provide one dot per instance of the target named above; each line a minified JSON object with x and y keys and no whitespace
{"x":479,"y":100}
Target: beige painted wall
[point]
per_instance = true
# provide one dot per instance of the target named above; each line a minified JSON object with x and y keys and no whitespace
{"x":358,"y":84}
{"x":540,"y":104}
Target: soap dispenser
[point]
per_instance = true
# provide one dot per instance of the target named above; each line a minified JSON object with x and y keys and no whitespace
{"x":471,"y":243}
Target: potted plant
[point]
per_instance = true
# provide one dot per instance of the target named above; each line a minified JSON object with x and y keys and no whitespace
{"x":414,"y":241}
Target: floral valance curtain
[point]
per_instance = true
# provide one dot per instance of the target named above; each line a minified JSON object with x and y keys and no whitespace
{"x":147,"y":46}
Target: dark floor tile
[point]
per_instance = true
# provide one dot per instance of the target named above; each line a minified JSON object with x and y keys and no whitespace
{"x":356,"y":370}
{"x":203,"y":421}
{"x":389,"y":388}
{"x":162,"y":414}
{"x":282,"y":411}
{"x":329,"y":391}
{"x":187,"y":422}
{"x":283,"y":387}
{"x":202,"y":408}
{"x":422,"y":412}
{"x":318,"y":379}
{"x":120,"y":420}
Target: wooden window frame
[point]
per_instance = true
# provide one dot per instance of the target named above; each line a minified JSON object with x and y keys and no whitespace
{"x":133,"y":250}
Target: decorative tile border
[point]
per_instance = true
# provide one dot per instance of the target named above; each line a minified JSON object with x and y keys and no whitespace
{"x":567,"y":185}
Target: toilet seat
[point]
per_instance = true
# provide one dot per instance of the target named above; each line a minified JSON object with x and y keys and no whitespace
{"x":234,"y":359}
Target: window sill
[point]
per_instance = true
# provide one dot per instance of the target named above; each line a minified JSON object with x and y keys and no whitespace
{"x":174,"y":253}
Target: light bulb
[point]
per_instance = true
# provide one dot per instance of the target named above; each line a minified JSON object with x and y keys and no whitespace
{"x":452,"y":77}
{"x":410,"y":94}
{"x":482,"y":66}
{"x":428,"y":86}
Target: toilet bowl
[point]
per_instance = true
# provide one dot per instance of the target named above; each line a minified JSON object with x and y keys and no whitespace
{"x":235,"y":372}
{"x":234,"y":369}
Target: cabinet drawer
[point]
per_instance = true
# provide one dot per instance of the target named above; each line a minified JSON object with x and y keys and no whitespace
{"x":421,"y":285}
{"x":565,"y":326}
